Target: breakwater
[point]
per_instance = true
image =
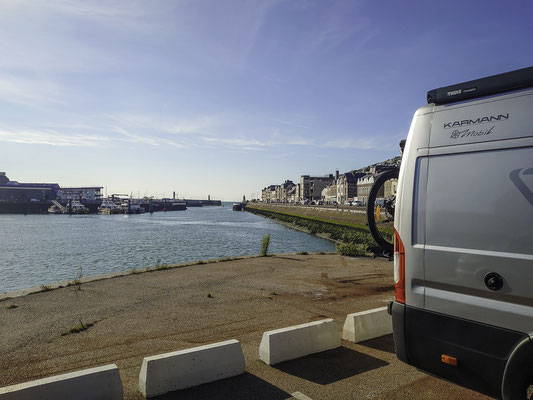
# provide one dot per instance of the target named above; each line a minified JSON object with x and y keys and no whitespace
{"x":348,"y":230}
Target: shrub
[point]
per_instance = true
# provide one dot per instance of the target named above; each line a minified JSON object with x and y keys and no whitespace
{"x":350,"y":249}
{"x":264,"y":245}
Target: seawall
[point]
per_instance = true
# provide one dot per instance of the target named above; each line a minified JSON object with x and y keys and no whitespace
{"x":348,"y":230}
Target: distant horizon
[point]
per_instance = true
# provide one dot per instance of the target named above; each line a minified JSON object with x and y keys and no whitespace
{"x":226,"y":98}
{"x":137,"y":194}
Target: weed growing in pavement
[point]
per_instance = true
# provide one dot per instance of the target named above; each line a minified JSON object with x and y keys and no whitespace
{"x":264,"y":245}
{"x":45,"y":288}
{"x":78,"y":328}
{"x":12,"y":306}
{"x":209,"y":295}
{"x":77,"y":280}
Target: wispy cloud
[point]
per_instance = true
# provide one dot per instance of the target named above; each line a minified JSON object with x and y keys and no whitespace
{"x":51,"y":138}
{"x":30,"y":91}
{"x":362,"y":143}
{"x":292,"y":124}
{"x":136,"y":138}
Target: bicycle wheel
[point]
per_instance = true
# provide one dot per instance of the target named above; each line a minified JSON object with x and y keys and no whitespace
{"x":380,"y":210}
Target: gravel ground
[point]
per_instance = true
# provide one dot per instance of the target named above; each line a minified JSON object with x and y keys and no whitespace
{"x":151,"y":313}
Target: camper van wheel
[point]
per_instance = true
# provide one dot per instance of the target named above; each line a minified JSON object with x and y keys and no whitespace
{"x":380,"y":209}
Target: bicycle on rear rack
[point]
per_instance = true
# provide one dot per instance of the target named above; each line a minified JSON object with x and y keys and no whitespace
{"x":380,"y":208}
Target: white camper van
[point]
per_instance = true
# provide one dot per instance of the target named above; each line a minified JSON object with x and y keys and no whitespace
{"x":463,"y":251}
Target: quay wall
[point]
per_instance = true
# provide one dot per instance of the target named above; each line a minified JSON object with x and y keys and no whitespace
{"x":341,"y":215}
{"x":345,"y":227}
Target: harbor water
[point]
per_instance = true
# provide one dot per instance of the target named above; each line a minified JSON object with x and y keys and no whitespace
{"x":42,"y":249}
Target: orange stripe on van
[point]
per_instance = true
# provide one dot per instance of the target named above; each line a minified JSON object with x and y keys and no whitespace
{"x":399,"y":258}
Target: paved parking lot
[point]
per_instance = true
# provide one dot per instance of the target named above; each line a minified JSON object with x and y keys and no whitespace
{"x":152,"y":313}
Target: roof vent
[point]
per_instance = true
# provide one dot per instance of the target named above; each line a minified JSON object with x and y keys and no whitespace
{"x":506,"y":82}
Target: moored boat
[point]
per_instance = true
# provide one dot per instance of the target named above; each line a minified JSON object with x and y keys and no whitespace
{"x":54,"y":209}
{"x":132,"y":208}
{"x":108,"y":207}
{"x":77,"y":208}
{"x":238,"y":207}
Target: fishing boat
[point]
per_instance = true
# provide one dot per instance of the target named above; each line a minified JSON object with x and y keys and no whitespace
{"x":238,"y":206}
{"x":77,"y":208}
{"x":54,"y":209}
{"x":132,"y":208}
{"x":108,"y":207}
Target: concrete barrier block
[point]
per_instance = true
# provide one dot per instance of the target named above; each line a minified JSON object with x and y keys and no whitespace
{"x":367,"y":325}
{"x":190,"y":367}
{"x":89,"y":384}
{"x":298,"y":341}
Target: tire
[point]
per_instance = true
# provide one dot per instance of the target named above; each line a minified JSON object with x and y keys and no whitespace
{"x":518,"y":377}
{"x":387,"y":246}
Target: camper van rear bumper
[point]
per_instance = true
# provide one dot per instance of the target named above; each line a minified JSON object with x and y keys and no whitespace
{"x":397,"y":311}
{"x":426,"y":339}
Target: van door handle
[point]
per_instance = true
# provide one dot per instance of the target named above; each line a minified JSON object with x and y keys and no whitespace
{"x":493,"y":281}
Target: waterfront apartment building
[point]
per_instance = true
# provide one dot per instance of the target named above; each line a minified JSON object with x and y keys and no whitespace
{"x":292,"y":194}
{"x":284,"y":191}
{"x":347,"y":186}
{"x":329,"y":193}
{"x":268,"y":194}
{"x":91,"y":194}
{"x":364,"y":184}
{"x":311,"y":186}
{"x":390,"y":188}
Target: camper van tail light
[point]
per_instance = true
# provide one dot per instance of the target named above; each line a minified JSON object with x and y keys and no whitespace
{"x":399,"y":269}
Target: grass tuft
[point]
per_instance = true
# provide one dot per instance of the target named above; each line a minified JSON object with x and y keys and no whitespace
{"x":264,"y":245}
{"x":78,"y":328}
{"x":45,"y":288}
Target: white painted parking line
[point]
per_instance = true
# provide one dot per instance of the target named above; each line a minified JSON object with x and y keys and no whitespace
{"x":300,"y":396}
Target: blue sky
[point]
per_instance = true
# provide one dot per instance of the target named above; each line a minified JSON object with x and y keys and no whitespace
{"x":226,"y":97}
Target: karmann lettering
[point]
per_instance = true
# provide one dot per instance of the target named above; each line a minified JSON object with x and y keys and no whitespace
{"x":480,"y":120}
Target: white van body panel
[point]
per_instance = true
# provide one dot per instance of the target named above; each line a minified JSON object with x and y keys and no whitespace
{"x":463,"y":209}
{"x":417,"y":143}
{"x":464,"y":220}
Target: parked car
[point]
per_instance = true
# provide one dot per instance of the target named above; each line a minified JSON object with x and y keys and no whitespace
{"x":463,"y":248}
